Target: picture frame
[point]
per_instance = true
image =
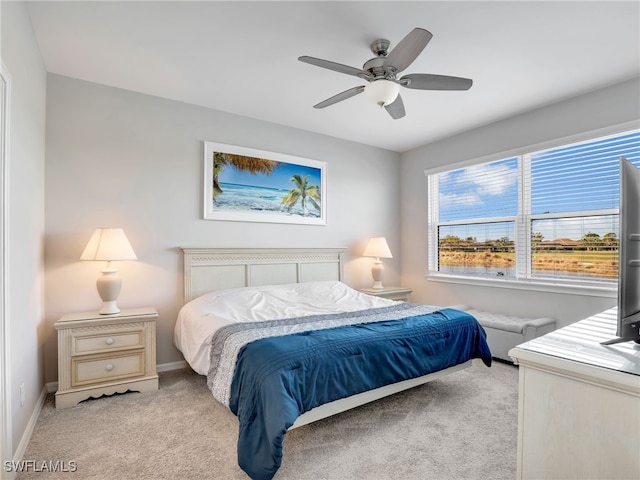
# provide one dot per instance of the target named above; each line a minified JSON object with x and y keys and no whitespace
{"x":249,"y":185}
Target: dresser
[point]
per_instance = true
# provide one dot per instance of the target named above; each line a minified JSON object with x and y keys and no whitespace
{"x":105,"y":354}
{"x":392,"y":293}
{"x":579,"y":403}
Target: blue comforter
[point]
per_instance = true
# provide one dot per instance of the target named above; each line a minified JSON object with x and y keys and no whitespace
{"x":278,"y":378}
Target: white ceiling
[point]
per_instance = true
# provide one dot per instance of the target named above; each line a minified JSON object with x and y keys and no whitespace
{"x":241,"y":57}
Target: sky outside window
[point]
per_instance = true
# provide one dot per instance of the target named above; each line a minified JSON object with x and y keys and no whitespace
{"x":578,"y":178}
{"x":488,"y":190}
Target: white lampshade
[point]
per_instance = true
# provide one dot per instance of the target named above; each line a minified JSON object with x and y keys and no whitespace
{"x":382,"y":92}
{"x":108,"y":244}
{"x":377,"y":247}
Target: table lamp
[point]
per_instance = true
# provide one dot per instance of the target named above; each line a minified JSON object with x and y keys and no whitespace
{"x":108,"y":244}
{"x":378,"y":248}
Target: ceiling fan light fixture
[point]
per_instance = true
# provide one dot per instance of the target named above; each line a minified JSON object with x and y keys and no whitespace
{"x":382,"y":92}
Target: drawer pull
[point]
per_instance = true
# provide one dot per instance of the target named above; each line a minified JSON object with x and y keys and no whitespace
{"x":109,"y":367}
{"x":109,"y":341}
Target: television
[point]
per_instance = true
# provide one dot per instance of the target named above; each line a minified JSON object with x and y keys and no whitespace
{"x":628,"y":320}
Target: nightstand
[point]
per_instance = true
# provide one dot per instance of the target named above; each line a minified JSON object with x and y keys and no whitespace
{"x":105,"y":354}
{"x":392,"y":293}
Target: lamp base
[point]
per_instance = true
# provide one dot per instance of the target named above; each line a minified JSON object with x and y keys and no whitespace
{"x":377,"y":271}
{"x":109,"y":286}
{"x":109,"y":308}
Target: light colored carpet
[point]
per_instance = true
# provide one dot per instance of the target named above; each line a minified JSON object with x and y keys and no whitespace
{"x":463,"y":426}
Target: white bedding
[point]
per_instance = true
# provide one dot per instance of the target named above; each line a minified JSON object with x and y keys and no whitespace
{"x":199,"y":319}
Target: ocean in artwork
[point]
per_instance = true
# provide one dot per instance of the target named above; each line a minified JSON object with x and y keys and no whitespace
{"x":256,"y":199}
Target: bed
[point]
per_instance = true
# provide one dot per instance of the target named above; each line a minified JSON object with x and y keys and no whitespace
{"x":284,"y":342}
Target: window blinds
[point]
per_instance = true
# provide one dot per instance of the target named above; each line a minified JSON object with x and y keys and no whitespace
{"x":582,"y":177}
{"x":550,"y":214}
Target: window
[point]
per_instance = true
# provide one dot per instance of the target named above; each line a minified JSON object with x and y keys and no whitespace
{"x":546,"y":216}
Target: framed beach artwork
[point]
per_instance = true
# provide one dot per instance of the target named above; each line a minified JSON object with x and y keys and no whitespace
{"x":248,"y":185}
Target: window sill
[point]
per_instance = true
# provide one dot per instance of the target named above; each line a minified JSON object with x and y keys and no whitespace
{"x":532,"y":285}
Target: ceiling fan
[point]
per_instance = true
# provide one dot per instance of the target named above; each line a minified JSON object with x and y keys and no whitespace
{"x":381,"y":72}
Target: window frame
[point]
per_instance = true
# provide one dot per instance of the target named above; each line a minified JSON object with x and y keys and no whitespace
{"x":523,"y":221}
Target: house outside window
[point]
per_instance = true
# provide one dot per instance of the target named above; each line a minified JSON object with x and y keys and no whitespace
{"x":548,"y":216}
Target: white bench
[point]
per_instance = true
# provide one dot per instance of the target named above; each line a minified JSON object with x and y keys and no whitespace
{"x":507,"y":331}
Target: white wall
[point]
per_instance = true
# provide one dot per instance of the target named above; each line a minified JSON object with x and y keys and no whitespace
{"x":604,"y":108}
{"x":119,"y":158}
{"x":21,"y":56}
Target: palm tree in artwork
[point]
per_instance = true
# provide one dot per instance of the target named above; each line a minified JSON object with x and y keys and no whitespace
{"x":239,"y":162}
{"x":304,"y":192}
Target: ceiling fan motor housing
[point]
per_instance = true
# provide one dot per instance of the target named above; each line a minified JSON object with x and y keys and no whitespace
{"x":377,"y":69}
{"x":376,"y":66}
{"x":380,"y":47}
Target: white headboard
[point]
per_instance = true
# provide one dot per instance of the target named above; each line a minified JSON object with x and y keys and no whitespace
{"x":209,"y":269}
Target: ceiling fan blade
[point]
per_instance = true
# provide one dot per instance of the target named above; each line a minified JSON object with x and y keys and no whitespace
{"x":396,"y":108}
{"x":336,"y":67}
{"x":341,"y":96}
{"x":426,"y":81}
{"x":405,"y":52}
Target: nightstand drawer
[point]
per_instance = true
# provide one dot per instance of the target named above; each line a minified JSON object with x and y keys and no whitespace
{"x":89,"y":370}
{"x":83,"y":343}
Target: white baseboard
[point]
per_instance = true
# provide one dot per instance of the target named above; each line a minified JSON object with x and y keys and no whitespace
{"x":167,"y":367}
{"x":31,"y":425}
